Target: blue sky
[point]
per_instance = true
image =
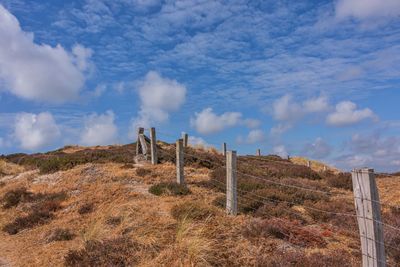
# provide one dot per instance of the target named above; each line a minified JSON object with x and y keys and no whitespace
{"x":312,"y":78}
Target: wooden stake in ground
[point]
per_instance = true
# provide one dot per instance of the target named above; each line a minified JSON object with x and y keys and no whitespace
{"x":231,"y":183}
{"x":153,"y":146}
{"x":140,"y":131}
{"x":224,"y":149}
{"x":368,"y":210}
{"x":258,"y":153}
{"x":185,"y":137}
{"x":180,"y":176}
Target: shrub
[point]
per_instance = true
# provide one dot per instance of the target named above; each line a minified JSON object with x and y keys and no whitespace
{"x":173,"y":189}
{"x":334,"y":206}
{"x":114,"y":221}
{"x":14,"y":197}
{"x":59,"y":234}
{"x":86,"y":208}
{"x":192,"y":210}
{"x":36,"y":217}
{"x":392,"y":236}
{"x":298,"y":258}
{"x":290,"y":231}
{"x":142,"y":172}
{"x":341,"y":180}
{"x":112,"y":252}
{"x":278,"y":210}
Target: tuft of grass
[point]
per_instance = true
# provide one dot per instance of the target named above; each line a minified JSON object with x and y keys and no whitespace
{"x":171,"y":189}
{"x":59,"y":234}
{"x":119,"y":251}
{"x":114,"y":220}
{"x":192,"y":210}
{"x":86,"y":208}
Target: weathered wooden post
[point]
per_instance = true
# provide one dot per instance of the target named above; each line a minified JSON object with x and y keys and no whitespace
{"x":180,"y":176}
{"x":224,"y":149}
{"x":231,"y":183}
{"x":153,"y":146}
{"x":143,"y":144}
{"x":309,"y":164}
{"x":185,"y":137}
{"x":258,"y":153}
{"x":325,"y":168}
{"x":140,"y":131}
{"x":366,"y":199}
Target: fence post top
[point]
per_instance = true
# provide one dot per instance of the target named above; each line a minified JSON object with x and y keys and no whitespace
{"x":231,"y":151}
{"x":364,"y":170}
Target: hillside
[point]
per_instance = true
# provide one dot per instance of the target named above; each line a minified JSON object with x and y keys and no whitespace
{"x":80,"y":206}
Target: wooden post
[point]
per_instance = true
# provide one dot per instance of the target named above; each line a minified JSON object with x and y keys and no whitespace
{"x":180,"y":176}
{"x":140,"y":131}
{"x":366,"y":199}
{"x":153,"y":146}
{"x":143,"y":145}
{"x":185,"y":137}
{"x":309,"y":164}
{"x":231,"y":183}
{"x":224,"y":149}
{"x":258,"y":153}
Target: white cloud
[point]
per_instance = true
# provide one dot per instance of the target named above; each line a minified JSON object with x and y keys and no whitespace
{"x":34,"y":131}
{"x":254,"y":136}
{"x":39,"y":72}
{"x":280,"y":151}
{"x":198,"y":141}
{"x":251,"y":123}
{"x":207,"y":122}
{"x":99,"y":90}
{"x":363,"y":9}
{"x":280,"y":129}
{"x":346,"y":113}
{"x":99,"y":129}
{"x":285,"y":109}
{"x":158,"y":96}
{"x":318,"y":149}
{"x":2,"y":142}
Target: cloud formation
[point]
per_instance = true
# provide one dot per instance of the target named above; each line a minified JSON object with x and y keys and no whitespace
{"x":35,"y":131}
{"x":363,"y":9}
{"x":346,"y":113}
{"x":318,"y":149}
{"x":99,"y":129}
{"x":39,"y":72}
{"x":254,"y":136}
{"x":158,"y":98}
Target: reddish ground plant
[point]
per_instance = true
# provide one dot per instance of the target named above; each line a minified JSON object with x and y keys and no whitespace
{"x":290,"y":231}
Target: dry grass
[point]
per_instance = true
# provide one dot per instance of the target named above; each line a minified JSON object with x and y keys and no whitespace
{"x":315,"y":165}
{"x":8,"y":168}
{"x":130,"y":226}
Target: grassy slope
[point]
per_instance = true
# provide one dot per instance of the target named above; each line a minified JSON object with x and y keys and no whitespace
{"x":122,"y":207}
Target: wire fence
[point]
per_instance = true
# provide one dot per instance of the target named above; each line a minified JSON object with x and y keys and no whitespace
{"x":252,"y":196}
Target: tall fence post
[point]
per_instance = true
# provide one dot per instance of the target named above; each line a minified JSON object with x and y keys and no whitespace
{"x":258,"y":153}
{"x":140,"y":131}
{"x":309,"y":164}
{"x":153,"y":146}
{"x":366,"y":199}
{"x":180,"y":176}
{"x":185,"y":137}
{"x":231,"y":183}
{"x":224,"y":149}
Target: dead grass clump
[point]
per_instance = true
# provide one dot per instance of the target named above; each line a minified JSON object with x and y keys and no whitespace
{"x":290,"y":231}
{"x":278,"y":210}
{"x":14,"y":197}
{"x":86,"y":208}
{"x":59,"y":234}
{"x":341,"y":180}
{"x":192,"y":210}
{"x":170,"y":189}
{"x":392,"y":236}
{"x":142,"y":172}
{"x":120,"y":251}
